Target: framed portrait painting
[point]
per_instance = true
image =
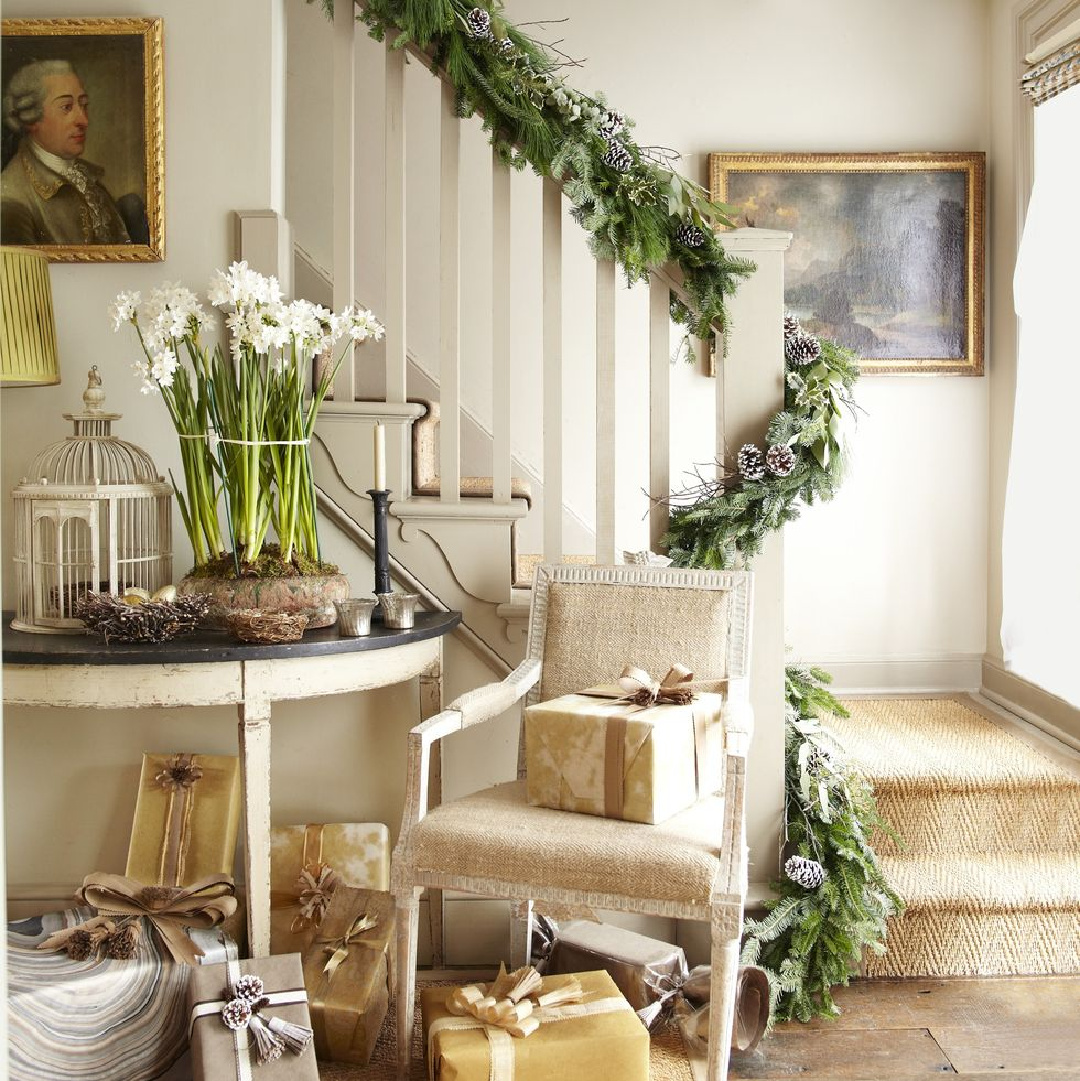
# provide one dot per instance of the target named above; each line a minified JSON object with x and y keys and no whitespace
{"x":83,"y":165}
{"x":886,"y":255}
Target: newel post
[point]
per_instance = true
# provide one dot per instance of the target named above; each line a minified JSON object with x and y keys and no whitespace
{"x":749,"y":391}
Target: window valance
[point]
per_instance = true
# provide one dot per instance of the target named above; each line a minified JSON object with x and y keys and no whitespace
{"x":1056,"y":73}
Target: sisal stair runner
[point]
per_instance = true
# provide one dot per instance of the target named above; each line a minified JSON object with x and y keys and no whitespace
{"x":990,"y":866}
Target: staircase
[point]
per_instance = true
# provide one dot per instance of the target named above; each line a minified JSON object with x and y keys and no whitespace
{"x":989,"y":867}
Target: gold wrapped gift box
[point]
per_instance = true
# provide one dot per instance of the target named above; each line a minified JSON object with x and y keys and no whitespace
{"x":346,"y":974}
{"x":332,"y":854}
{"x":601,"y":1038}
{"x":187,"y":815}
{"x":594,"y":754}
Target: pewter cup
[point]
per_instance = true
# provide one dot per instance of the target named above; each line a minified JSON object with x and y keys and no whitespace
{"x":354,"y":616}
{"x":399,"y":609}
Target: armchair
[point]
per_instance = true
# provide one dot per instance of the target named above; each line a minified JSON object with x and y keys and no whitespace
{"x":585,"y":624}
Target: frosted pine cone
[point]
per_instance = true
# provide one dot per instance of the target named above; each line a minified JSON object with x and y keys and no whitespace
{"x":611,"y":124}
{"x":236,"y":1014}
{"x":690,"y":235}
{"x":618,"y":157}
{"x":479,"y":22}
{"x":803,"y":872}
{"x":802,"y":349}
{"x":249,"y":988}
{"x":791,"y":326}
{"x":780,"y":459}
{"x":751,"y":462}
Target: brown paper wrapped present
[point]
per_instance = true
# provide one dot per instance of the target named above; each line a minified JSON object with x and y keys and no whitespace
{"x":608,"y":753}
{"x":249,"y":1020}
{"x":596,"y":1036}
{"x":308,"y":862}
{"x":187,"y":814}
{"x":346,"y":974}
{"x":644,"y":969}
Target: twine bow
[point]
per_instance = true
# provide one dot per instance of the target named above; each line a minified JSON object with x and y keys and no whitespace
{"x":170,"y":910}
{"x":338,"y":949}
{"x":181,"y":772}
{"x":642,"y":690}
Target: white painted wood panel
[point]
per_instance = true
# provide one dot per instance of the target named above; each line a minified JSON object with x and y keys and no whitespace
{"x":344,"y":120}
{"x":659,"y":406}
{"x":449,"y":300}
{"x":395,"y":211}
{"x":553,"y":374}
{"x":502,"y":355}
{"x":606,"y":416}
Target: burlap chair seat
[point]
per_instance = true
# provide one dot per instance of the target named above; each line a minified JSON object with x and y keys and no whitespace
{"x":494,"y":834}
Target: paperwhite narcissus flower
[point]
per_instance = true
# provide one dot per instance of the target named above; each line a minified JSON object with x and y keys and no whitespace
{"x":122,"y":310}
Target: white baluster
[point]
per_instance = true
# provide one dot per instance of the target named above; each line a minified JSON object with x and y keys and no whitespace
{"x":394,"y":315}
{"x":501,"y":355}
{"x":449,"y":301}
{"x":659,"y":406}
{"x":552,"y":376}
{"x":344,"y":389}
{"x":605,"y":411}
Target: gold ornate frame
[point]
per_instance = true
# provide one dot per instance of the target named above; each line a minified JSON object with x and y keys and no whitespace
{"x":149,"y":35}
{"x":722,"y":168}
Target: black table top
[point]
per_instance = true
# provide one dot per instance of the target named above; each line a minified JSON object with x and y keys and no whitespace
{"x":20,"y":647}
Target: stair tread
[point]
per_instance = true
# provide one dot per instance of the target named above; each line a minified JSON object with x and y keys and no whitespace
{"x":987,"y":882}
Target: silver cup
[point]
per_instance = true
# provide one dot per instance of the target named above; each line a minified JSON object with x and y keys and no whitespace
{"x":354,"y":616}
{"x":399,"y":609}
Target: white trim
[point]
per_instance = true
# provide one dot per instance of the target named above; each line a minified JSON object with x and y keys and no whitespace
{"x":914,"y":672}
{"x":1059,"y":40}
{"x":1035,"y":705}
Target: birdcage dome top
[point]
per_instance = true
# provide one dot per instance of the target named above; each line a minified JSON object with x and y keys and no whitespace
{"x":92,"y":456}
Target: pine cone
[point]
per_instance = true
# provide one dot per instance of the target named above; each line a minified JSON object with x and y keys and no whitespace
{"x":689,"y":235}
{"x":792,"y":326}
{"x":80,"y":945}
{"x":780,"y":459}
{"x":236,"y":1013}
{"x":618,"y":157}
{"x":479,"y":22}
{"x":803,"y":872}
{"x":751,"y":462}
{"x":802,"y":349}
{"x":122,"y":945}
{"x":611,"y":124}
{"x":506,"y":47}
{"x":249,"y":988}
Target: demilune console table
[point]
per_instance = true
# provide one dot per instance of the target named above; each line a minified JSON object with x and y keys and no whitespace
{"x":209,"y":669}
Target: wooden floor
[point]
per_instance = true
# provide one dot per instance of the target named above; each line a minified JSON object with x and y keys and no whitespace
{"x":1009,"y":1029}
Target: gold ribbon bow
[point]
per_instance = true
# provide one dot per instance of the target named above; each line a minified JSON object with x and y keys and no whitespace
{"x":641,"y":689}
{"x":509,"y":1003}
{"x":338,"y":948}
{"x":316,"y":884}
{"x":170,"y":910}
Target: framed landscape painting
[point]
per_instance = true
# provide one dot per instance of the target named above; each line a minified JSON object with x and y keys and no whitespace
{"x":83,"y":167}
{"x":886,"y":256}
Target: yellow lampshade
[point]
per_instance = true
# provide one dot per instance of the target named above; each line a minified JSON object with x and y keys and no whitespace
{"x":27,"y":325}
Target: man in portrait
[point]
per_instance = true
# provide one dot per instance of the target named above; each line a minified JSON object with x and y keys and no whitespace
{"x":48,"y":194}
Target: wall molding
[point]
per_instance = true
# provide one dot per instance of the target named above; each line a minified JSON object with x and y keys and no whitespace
{"x":914,"y":672}
{"x":1039,"y":707}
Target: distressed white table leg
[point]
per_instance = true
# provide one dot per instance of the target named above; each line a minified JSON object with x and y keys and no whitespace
{"x":255,"y":765}
{"x":431,"y":702}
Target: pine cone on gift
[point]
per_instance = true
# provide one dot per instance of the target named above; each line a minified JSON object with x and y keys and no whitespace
{"x":689,"y":235}
{"x":792,"y":326}
{"x":751,"y":462}
{"x":803,"y":872}
{"x":802,"y":349}
{"x":780,"y":459}
{"x":611,"y":123}
{"x":479,"y":23}
{"x":618,"y":157}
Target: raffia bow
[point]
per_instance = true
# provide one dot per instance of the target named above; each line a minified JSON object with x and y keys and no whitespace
{"x":316,"y":884}
{"x":642,"y":690}
{"x":181,"y":772}
{"x":170,"y":910}
{"x":509,"y":1003}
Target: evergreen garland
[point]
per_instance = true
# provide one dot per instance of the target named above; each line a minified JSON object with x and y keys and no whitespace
{"x":812,"y":938}
{"x":715,"y":523}
{"x":637,"y":210}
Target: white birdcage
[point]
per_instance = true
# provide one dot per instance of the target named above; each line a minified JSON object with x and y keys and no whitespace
{"x":92,"y":514}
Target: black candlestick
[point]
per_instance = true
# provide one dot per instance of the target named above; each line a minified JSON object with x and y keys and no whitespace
{"x":381,"y":499}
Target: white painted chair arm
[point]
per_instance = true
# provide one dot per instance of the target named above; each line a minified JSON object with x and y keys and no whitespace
{"x":492,"y":699}
{"x":738,"y":719}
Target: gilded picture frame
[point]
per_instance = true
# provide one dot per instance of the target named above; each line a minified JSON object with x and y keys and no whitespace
{"x":83,"y":164}
{"x":887,"y":250}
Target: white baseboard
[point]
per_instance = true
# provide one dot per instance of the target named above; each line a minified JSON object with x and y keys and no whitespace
{"x":913,"y":672}
{"x":1046,"y":711}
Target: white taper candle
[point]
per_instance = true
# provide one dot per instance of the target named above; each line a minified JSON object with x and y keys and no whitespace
{"x":380,"y":458}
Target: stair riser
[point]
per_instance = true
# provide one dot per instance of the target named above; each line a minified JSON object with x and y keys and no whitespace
{"x":930,"y":941}
{"x":970,"y":822}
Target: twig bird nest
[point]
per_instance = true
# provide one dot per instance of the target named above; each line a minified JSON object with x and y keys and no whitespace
{"x":268,"y":628}
{"x":136,"y":617}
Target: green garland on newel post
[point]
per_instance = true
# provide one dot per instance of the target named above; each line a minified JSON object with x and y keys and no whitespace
{"x":641,"y":213}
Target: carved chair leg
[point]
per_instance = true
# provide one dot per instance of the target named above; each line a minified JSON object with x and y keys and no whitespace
{"x":408,"y":925}
{"x":521,"y":927}
{"x":725,"y":972}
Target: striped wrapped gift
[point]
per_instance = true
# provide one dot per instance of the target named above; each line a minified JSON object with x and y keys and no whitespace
{"x":98,"y":1019}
